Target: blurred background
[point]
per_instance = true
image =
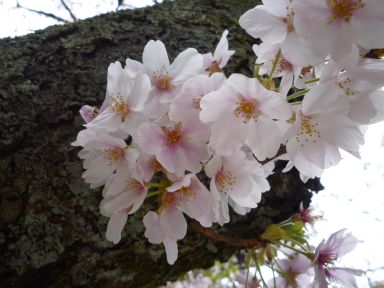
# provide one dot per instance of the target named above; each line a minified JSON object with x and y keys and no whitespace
{"x":354,"y":190}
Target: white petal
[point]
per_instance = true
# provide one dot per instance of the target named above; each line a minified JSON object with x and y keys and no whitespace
{"x":171,"y":250}
{"x":153,"y":230}
{"x":115,"y":225}
{"x":173,"y":223}
{"x":140,"y":92}
{"x":155,"y":57}
{"x":133,"y":67}
{"x":150,"y":138}
{"x":187,"y":64}
{"x":216,"y":103}
{"x":264,"y":138}
{"x":261,"y":24}
{"x":276,"y":7}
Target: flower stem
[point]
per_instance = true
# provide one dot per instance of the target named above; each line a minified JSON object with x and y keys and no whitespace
{"x":277,"y":57}
{"x":273,"y":273}
{"x":297,"y":243}
{"x":296,"y":103}
{"x":297,"y":95}
{"x":261,"y":275}
{"x":248,"y":265}
{"x":149,"y":195}
{"x":314,"y":80}
{"x":293,"y":249}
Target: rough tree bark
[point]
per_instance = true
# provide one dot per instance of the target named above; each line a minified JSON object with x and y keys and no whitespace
{"x":51,"y":232}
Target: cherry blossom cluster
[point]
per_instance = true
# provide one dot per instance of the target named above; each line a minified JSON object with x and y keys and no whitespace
{"x":164,"y":126}
{"x":304,"y":265}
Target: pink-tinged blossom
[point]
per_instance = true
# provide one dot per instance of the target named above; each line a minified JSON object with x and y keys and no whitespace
{"x":266,"y":55}
{"x":333,"y":26}
{"x":243,"y":111}
{"x":293,"y":272}
{"x":166,"y":227}
{"x":273,"y":23}
{"x":217,"y":61}
{"x":104,"y":157}
{"x":237,"y":179}
{"x":326,"y":254}
{"x":305,"y":216}
{"x":147,"y":166}
{"x":187,"y":195}
{"x":178,"y":147}
{"x":89,"y":113}
{"x":122,"y":109}
{"x":118,"y":207}
{"x":166,"y":78}
{"x":193,"y":198}
{"x":186,"y":105}
{"x":320,"y":129}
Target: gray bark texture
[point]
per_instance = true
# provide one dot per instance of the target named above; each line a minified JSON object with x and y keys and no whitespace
{"x":51,"y":232}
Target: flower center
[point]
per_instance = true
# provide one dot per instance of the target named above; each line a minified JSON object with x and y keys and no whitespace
{"x":135,"y":185}
{"x":289,"y":19}
{"x":308,"y":130}
{"x":196,"y":103}
{"x":120,"y":106}
{"x":325,"y":259}
{"x":174,"y":135}
{"x":162,"y":80}
{"x":155,"y":165}
{"x":344,"y":9}
{"x":113,"y":155}
{"x":214,"y":67}
{"x":186,"y":192}
{"x":284,"y":65}
{"x":225,"y":181}
{"x":169,"y":199}
{"x":343,"y":85}
{"x":247,"y":110}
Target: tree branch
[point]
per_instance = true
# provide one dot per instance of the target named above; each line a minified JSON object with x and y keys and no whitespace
{"x":69,"y":10}
{"x":236,"y":242}
{"x":46,"y":14}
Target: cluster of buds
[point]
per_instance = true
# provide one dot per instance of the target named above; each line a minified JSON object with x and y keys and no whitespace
{"x":185,"y":118}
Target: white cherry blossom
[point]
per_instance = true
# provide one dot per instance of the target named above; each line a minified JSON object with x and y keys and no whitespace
{"x":243,"y":111}
{"x":186,"y":105}
{"x":177,"y":146}
{"x":237,"y":178}
{"x":217,"y":61}
{"x":360,"y":81}
{"x":336,"y":246}
{"x":320,"y":129}
{"x":122,"y":109}
{"x":289,"y":73}
{"x":104,"y":157}
{"x":166,"y":227}
{"x":118,"y":207}
{"x":333,"y":26}
{"x":273,"y":23}
{"x":166,"y":78}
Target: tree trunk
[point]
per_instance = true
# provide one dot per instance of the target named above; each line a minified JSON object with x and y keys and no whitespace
{"x":51,"y":232}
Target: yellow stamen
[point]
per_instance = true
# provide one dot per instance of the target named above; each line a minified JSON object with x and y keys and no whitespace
{"x":344,"y":9}
{"x":247,"y":110}
{"x":225,"y":181}
{"x":120,"y":106}
{"x":162,"y":80}
{"x":174,"y":135}
{"x":113,"y":155}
